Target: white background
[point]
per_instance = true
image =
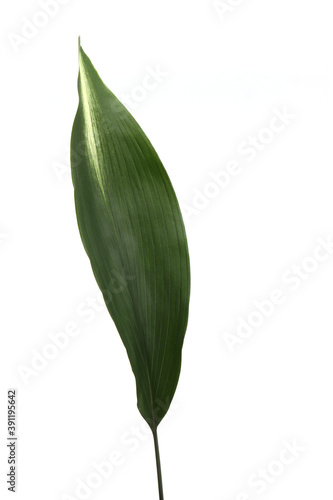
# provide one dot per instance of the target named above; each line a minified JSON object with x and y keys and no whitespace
{"x":224,"y":75}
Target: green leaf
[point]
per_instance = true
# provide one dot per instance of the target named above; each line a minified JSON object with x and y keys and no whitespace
{"x":132,"y":230}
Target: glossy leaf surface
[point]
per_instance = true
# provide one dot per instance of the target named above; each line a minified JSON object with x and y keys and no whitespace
{"x":132,"y":230}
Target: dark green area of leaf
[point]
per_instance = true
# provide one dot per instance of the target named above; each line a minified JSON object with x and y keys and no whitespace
{"x":132,"y":230}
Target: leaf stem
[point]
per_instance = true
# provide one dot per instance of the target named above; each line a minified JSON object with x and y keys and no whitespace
{"x":158,"y":464}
